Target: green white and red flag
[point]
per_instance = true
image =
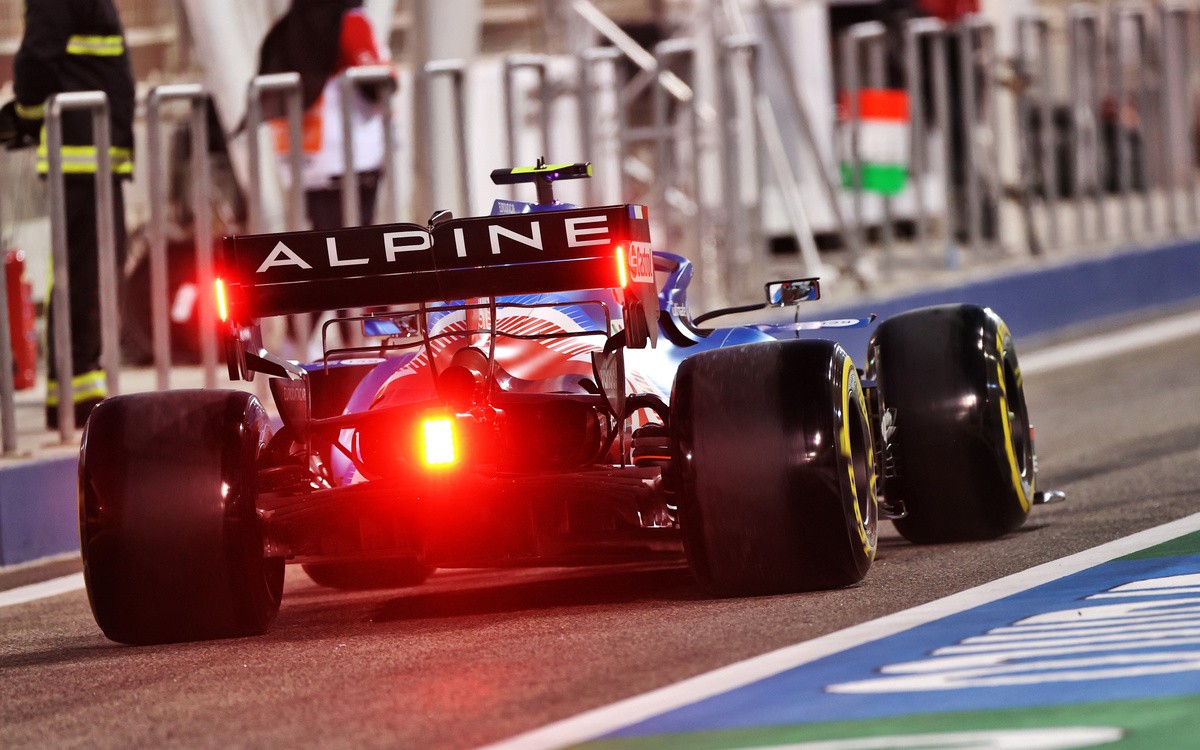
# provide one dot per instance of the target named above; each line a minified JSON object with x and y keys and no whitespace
{"x":883,"y":141}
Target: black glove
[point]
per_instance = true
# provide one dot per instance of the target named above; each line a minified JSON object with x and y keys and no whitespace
{"x":16,"y":132}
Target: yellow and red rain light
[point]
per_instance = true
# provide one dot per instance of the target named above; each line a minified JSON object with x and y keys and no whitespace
{"x":439,"y":442}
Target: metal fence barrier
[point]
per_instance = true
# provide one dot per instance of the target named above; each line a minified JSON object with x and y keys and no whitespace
{"x":110,"y":352}
{"x":1127,"y":65}
{"x":160,"y":319}
{"x":286,"y":85}
{"x":380,"y":78}
{"x":455,"y":71}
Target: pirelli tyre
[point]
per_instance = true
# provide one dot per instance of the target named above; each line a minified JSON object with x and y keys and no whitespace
{"x":365,"y":575}
{"x":950,"y":392}
{"x":171,"y":540}
{"x":773,"y":458}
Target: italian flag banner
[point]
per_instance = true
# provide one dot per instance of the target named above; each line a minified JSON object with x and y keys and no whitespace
{"x":883,"y":141}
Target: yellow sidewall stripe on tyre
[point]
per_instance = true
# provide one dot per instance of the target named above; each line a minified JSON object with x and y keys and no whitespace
{"x":846,"y":450}
{"x":1002,"y":335}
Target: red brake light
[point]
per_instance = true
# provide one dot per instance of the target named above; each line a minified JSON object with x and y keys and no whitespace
{"x":622,"y":266}
{"x":222,"y":301}
{"x":440,"y":447}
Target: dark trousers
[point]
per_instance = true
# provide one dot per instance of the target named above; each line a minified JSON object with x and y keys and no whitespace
{"x":83,"y":269}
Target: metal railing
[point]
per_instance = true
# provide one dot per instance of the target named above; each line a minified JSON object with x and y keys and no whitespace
{"x":160,"y":319}
{"x":715,"y":152}
{"x":110,"y":355}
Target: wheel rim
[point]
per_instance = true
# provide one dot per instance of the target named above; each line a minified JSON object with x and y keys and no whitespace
{"x":861,"y":464}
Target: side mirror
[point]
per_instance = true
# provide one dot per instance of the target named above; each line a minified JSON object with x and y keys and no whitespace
{"x":400,"y":325}
{"x":792,"y":292}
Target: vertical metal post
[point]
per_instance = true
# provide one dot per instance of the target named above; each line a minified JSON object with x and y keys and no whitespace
{"x":538,"y":64}
{"x":380,"y":78}
{"x":1123,"y":60}
{"x":1037,"y":26}
{"x":666,"y":154}
{"x":736,"y":239}
{"x":8,"y":411}
{"x":916,"y":31}
{"x":110,"y":355}
{"x":1178,"y":101}
{"x":455,"y":70}
{"x":201,"y":183}
{"x":588,"y":60}
{"x":852,"y":42}
{"x":288,"y":85}
{"x":976,"y":36}
{"x":850,"y":236}
{"x":1085,"y":53}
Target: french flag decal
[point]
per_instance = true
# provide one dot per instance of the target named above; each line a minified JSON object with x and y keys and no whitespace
{"x":637,"y":212}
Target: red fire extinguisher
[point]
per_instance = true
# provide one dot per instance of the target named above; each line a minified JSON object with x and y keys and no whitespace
{"x":20,"y":321}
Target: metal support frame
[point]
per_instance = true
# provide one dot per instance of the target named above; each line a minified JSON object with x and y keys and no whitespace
{"x":540,"y":66}
{"x":737,"y":130}
{"x":1033,"y":46}
{"x":455,"y":70}
{"x":587,"y":63}
{"x":160,"y":319}
{"x":1132,"y":19}
{"x":1178,"y":104}
{"x":110,"y":344}
{"x":666,"y":154}
{"x":871,"y":37}
{"x":287,"y":85}
{"x":8,"y":410}
{"x":976,"y":36}
{"x":382,"y":79}
{"x":795,"y":100}
{"x":917,"y":31}
{"x":1086,"y":47}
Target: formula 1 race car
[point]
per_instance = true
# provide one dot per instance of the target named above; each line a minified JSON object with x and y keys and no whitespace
{"x":529,"y":388}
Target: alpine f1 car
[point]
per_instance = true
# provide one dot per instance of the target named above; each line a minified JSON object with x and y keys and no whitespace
{"x":531,"y":389}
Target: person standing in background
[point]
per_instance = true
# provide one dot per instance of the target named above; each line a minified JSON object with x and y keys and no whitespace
{"x":78,"y":45}
{"x":319,"y":39}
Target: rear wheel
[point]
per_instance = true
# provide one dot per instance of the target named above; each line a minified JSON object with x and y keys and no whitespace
{"x":364,"y":575}
{"x":172,"y":543}
{"x":962,"y":445}
{"x":773,"y":456}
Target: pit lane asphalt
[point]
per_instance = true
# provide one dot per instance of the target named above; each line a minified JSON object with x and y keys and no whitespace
{"x":477,"y":656}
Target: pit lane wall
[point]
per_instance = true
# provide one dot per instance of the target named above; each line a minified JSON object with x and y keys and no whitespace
{"x":38,"y":516}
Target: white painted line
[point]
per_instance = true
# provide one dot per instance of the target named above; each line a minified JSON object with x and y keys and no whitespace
{"x":601,"y":721}
{"x":1112,"y":344}
{"x":35,"y":591}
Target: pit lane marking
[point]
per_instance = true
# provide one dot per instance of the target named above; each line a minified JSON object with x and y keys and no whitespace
{"x":1112,"y":344}
{"x":606,"y":719}
{"x":43,"y":590}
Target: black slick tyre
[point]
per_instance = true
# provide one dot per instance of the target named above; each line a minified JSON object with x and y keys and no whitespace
{"x":962,"y":445}
{"x":773,"y":456}
{"x":365,"y":575}
{"x":172,"y":543}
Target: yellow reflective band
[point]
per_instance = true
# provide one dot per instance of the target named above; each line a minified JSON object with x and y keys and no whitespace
{"x":99,"y":46}
{"x":88,"y":385}
{"x":82,"y":159}
{"x":31,"y":112}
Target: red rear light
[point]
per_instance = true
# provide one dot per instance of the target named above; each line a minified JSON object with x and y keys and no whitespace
{"x":222,"y":301}
{"x":439,"y":442}
{"x":622,"y":266}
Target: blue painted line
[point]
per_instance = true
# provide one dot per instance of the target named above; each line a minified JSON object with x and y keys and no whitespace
{"x":1041,"y":300}
{"x":38,"y":512}
{"x":866,"y":682}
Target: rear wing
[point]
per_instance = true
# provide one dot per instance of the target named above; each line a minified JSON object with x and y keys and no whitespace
{"x":591,"y":248}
